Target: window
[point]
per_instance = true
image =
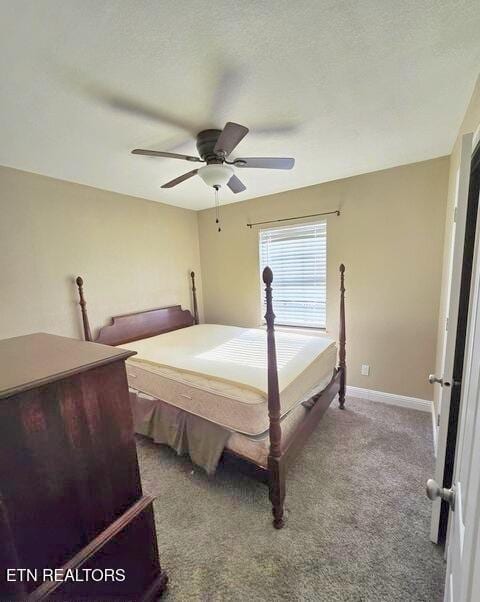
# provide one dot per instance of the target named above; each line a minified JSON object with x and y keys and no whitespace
{"x":297,"y":256}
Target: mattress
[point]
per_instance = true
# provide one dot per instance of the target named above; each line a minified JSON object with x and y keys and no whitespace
{"x":220,"y":372}
{"x":257,"y":448}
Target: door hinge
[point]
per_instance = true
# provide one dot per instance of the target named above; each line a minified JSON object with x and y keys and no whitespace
{"x":438,"y":419}
{"x":446,"y":324}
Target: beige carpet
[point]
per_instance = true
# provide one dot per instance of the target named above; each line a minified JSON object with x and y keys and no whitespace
{"x":358,"y":518}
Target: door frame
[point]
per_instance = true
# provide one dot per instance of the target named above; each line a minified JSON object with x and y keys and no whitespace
{"x":461,"y":332}
{"x":462,"y":581}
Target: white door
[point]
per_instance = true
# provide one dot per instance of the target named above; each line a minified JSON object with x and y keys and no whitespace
{"x":463,"y":544}
{"x":455,"y":272}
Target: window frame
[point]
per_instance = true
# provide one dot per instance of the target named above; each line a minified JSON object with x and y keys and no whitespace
{"x":281,"y":325}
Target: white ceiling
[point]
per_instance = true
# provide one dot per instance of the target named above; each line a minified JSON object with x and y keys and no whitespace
{"x":345,"y":87}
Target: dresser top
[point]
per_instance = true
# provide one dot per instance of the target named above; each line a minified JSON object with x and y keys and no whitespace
{"x":36,"y":359}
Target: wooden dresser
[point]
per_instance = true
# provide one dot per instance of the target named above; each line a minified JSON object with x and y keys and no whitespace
{"x":70,"y":492}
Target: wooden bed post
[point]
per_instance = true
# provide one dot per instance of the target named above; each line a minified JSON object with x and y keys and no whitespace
{"x":194,"y":293}
{"x":341,"y":353}
{"x":83,"y":306}
{"x":276,"y":468}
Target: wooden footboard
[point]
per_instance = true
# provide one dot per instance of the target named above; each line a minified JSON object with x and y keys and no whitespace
{"x":280,"y":455}
{"x":290,"y":446}
{"x":321,"y":404}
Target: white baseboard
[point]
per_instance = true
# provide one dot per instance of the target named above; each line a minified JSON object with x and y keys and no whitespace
{"x":413,"y":403}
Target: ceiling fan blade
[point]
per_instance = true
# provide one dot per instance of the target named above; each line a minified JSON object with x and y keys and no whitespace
{"x":143,"y":110}
{"x":154,"y":153}
{"x":231,"y":135}
{"x":236,"y":185}
{"x":180,"y":179}
{"x":265,"y":162}
{"x":275,"y":128}
{"x":227,"y":88}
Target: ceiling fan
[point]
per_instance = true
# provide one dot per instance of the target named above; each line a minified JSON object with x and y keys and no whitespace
{"x":214,"y":147}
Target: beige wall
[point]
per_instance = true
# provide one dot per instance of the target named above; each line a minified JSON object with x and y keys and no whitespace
{"x":389,"y":235}
{"x":134,"y":254}
{"x":470,"y":123}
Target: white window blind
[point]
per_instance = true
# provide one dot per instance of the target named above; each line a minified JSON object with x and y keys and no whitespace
{"x":297,"y":256}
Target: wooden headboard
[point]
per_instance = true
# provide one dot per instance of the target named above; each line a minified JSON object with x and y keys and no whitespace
{"x":139,"y":325}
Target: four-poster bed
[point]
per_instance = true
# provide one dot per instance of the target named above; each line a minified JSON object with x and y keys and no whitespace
{"x":144,"y":328}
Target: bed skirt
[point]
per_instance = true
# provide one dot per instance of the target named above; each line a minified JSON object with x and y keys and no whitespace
{"x":202,"y":440}
{"x":186,"y":433}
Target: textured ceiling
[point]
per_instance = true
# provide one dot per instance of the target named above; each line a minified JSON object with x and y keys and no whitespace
{"x":345,"y":87}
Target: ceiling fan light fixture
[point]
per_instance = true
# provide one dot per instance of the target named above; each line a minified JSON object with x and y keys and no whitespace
{"x":215,"y":174}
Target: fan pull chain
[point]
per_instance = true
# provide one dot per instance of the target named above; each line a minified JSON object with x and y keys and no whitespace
{"x":217,"y":209}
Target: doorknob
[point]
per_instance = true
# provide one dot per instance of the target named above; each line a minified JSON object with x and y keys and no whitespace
{"x":434,"y":491}
{"x":432,"y":379}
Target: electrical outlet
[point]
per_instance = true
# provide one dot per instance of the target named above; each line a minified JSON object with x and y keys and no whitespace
{"x":365,"y":371}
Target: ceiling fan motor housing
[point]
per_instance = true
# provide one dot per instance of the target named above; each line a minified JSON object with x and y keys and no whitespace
{"x":206,"y":141}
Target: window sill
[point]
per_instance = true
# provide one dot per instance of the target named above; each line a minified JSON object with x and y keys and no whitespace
{"x":319,"y":332}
